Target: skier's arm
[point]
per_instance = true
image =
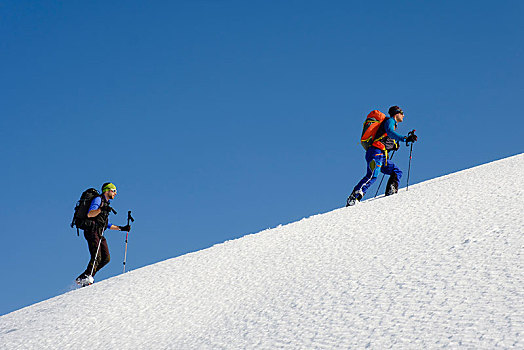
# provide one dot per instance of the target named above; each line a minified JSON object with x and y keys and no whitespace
{"x":93,"y":213}
{"x":120,"y":228}
{"x":390,"y":130}
{"x":94,"y":208}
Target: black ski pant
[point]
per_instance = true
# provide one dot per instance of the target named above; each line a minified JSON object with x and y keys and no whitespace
{"x":102,"y":258}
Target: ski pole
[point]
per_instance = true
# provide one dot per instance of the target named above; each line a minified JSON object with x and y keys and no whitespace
{"x":129,"y":217}
{"x":410,"y":152}
{"x":380,"y":184}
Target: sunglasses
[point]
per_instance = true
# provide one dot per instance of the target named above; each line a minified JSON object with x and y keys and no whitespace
{"x":114,"y":191}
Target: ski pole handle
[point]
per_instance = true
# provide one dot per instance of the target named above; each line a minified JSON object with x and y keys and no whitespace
{"x":129,"y":217}
{"x":412,"y":132}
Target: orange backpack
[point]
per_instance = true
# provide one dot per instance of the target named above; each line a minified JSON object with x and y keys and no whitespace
{"x":371,"y":125}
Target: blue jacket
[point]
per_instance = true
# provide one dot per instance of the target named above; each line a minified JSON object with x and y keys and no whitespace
{"x":386,"y":137}
{"x":389,"y":126}
{"x":95,"y":204}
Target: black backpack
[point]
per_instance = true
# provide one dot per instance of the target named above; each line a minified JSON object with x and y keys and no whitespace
{"x":81,"y":209}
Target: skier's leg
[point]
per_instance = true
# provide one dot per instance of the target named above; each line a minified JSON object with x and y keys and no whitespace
{"x":371,"y":176}
{"x":394,"y":177}
{"x":374,"y":159}
{"x":103,"y":256}
{"x":92,"y":239}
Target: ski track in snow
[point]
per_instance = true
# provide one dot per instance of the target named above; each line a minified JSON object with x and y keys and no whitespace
{"x":437,"y":266}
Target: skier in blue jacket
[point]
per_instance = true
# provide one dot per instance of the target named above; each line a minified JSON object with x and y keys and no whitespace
{"x":386,"y":139}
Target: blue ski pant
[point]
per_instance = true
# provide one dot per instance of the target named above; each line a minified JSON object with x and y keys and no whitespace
{"x":376,"y":164}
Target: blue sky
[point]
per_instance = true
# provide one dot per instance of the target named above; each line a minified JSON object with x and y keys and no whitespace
{"x":216,"y":119}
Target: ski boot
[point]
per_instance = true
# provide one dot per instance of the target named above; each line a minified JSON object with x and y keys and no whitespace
{"x":392,"y":185}
{"x":84,"y":280}
{"x":354,"y":197}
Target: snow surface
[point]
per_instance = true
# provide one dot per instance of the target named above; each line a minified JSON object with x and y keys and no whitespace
{"x":437,"y":266}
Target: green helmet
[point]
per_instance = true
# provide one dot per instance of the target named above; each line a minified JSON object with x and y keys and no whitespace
{"x":108,"y":186}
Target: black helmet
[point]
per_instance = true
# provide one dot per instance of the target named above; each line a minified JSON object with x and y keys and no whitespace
{"x":395,"y":110}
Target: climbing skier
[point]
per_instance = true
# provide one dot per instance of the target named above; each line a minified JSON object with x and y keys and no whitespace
{"x":385,"y":139}
{"x":98,"y":214}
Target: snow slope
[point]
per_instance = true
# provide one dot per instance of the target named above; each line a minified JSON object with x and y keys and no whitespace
{"x":439,"y":265}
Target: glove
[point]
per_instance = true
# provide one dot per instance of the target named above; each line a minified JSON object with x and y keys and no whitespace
{"x":125,"y":228}
{"x":411,"y":138}
{"x":106,"y":208}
